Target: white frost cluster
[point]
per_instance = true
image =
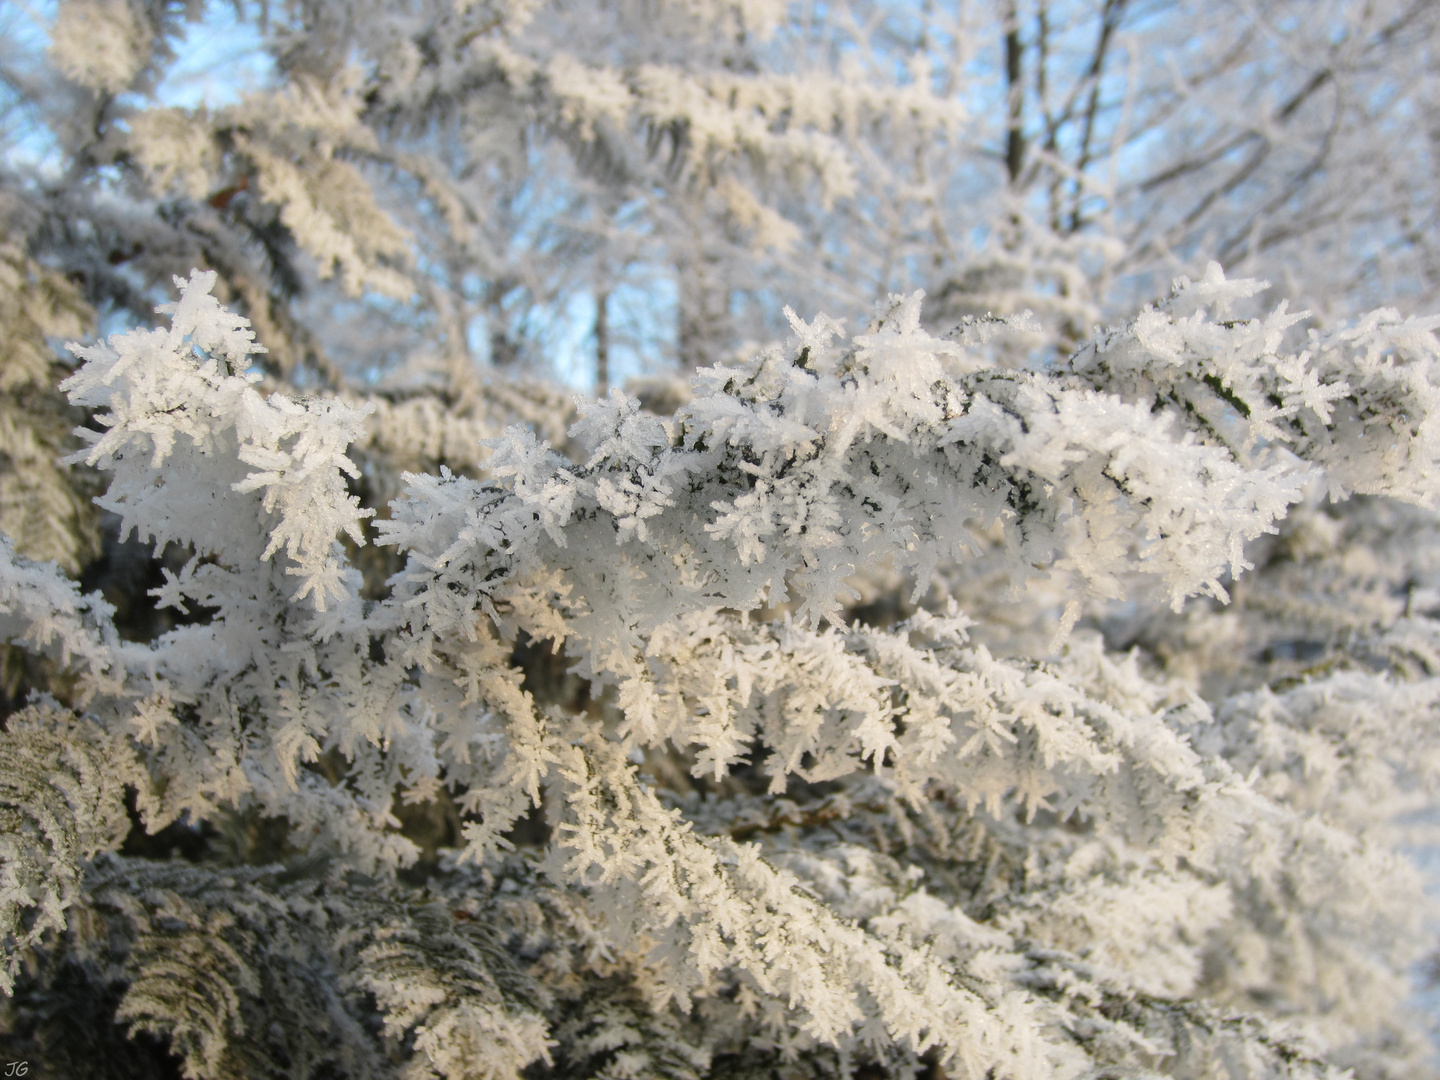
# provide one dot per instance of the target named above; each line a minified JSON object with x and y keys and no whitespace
{"x":773,"y":830}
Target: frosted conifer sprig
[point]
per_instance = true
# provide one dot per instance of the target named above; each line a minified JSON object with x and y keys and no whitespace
{"x":232,"y":966}
{"x":440,"y":977}
{"x":62,"y":801}
{"x":272,"y":972}
{"x":788,"y":472}
{"x":918,"y":707}
{"x":709,"y":904}
{"x":1358,"y":400}
{"x":43,"y":610}
{"x":40,"y":507}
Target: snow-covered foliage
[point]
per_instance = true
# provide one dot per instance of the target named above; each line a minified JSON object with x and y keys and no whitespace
{"x":1037,"y":679}
{"x":760,"y":836}
{"x":39,"y":509}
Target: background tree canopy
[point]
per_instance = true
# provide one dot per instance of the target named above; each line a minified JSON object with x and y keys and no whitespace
{"x":958,"y":629}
